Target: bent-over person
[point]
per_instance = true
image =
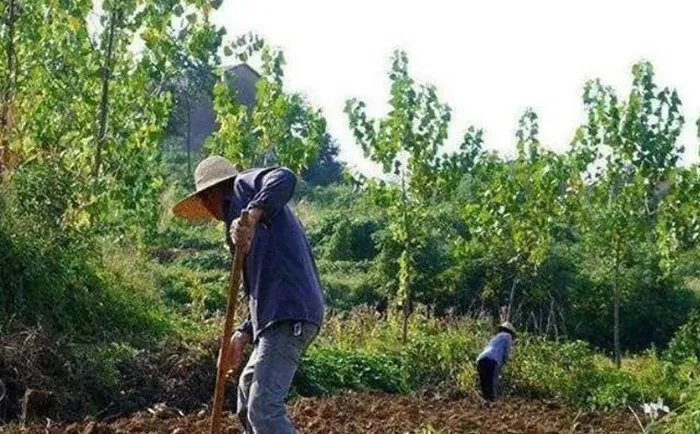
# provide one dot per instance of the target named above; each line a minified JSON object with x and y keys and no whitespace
{"x":280,"y":279}
{"x":492,"y":359}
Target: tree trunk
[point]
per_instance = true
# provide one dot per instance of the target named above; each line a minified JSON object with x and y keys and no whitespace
{"x":511,"y":299}
{"x":8,"y":94}
{"x":189,"y":136}
{"x":563,"y":321}
{"x":616,"y":307}
{"x":518,"y":312}
{"x":550,"y":318}
{"x":407,"y":247}
{"x":616,"y":336}
{"x":104,"y":102}
{"x":406,"y":313}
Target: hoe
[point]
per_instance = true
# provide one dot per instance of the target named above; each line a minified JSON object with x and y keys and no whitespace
{"x":231,"y":303}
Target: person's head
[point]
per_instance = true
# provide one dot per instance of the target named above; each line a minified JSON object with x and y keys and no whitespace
{"x":213,"y":198}
{"x":508,"y":328}
{"x":213,"y":178}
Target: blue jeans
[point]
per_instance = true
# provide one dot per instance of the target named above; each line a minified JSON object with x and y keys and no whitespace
{"x":267,"y":377}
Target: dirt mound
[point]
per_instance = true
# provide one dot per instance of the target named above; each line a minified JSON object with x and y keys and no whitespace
{"x":42,"y":378}
{"x":356,"y":413}
{"x":30,"y":362}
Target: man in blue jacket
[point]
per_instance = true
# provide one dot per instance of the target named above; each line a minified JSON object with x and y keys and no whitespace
{"x":280,"y":279}
{"x":492,"y":359}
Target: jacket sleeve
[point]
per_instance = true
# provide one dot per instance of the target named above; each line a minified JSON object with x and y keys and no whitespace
{"x":276,"y":190}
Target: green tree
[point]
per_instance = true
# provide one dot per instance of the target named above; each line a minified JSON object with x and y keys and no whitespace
{"x":190,"y":86}
{"x":8,"y":91}
{"x":407,"y":144}
{"x":512,"y":215}
{"x":89,"y":113}
{"x":282,"y":128}
{"x":631,"y":149}
{"x":327,"y":169}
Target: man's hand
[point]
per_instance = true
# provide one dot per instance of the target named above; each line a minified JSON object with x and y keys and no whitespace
{"x":234,"y":356}
{"x":243,"y":235}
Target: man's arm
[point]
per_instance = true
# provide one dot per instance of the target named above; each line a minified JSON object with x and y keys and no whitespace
{"x":276,"y":190}
{"x":234,"y":356}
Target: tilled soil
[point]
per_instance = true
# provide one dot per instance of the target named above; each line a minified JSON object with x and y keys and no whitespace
{"x":386,"y":414}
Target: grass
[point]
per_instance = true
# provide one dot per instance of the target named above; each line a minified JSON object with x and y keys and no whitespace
{"x":112,"y":304}
{"x":362,"y":351}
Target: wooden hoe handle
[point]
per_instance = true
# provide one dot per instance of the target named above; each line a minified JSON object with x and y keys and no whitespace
{"x":231,"y":304}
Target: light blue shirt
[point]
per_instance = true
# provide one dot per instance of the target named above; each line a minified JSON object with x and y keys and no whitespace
{"x":498,"y":348}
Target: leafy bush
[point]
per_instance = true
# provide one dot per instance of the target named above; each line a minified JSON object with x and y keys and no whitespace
{"x":200,"y":292}
{"x":541,"y":368}
{"x":352,"y":240}
{"x":328,"y":370}
{"x":179,"y":234}
{"x":69,"y":284}
{"x":442,"y":353}
{"x":213,"y":259}
{"x":348,"y":284}
{"x":438,"y":352}
{"x":688,"y":421}
{"x":686,"y":342}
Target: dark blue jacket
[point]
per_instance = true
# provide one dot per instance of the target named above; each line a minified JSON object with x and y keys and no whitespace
{"x":279,"y":273}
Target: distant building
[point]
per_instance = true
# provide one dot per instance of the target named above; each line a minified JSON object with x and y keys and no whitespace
{"x":202,"y":119}
{"x":201,"y":123}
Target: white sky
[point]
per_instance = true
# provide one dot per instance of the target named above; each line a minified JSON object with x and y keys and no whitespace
{"x":489,"y":59}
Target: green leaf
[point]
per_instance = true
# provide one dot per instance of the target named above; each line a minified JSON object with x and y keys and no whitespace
{"x":74,"y":23}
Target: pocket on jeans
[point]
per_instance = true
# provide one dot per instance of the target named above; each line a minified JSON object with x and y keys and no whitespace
{"x":297,"y":329}
{"x":299,"y":333}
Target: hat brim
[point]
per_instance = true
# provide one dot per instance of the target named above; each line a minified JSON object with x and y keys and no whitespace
{"x":192,"y":208}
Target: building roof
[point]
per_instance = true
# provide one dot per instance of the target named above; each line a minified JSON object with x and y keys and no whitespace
{"x":242,"y":67}
{"x":244,"y":80}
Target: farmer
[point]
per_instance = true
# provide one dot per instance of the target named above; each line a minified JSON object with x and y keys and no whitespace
{"x":280,"y":278}
{"x":492,"y":358}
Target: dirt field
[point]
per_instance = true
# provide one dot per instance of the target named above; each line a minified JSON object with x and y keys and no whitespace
{"x":356,"y":413}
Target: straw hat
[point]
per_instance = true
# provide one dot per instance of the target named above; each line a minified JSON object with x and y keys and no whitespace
{"x":209,"y":172}
{"x":507,"y":326}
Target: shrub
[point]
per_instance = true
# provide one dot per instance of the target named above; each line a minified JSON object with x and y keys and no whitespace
{"x":442,"y":353}
{"x":688,"y":421}
{"x":75,"y":287}
{"x":540,"y":368}
{"x":199,"y":292}
{"x":348,"y":284}
{"x":213,"y":259}
{"x":328,"y":370}
{"x":686,"y":342}
{"x":436,"y":353}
